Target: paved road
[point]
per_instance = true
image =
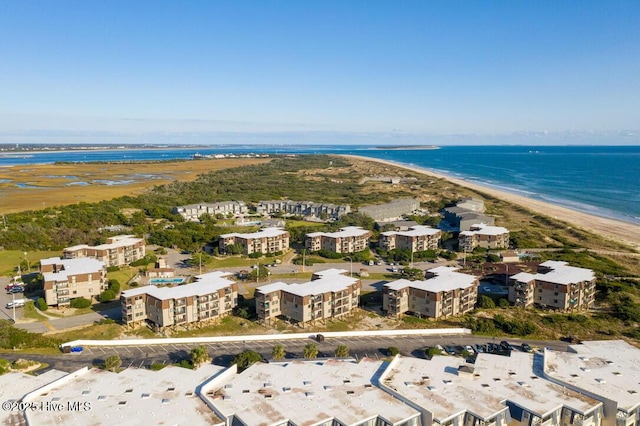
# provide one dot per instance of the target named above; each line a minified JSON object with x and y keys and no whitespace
{"x":223,"y":353}
{"x":70,"y":322}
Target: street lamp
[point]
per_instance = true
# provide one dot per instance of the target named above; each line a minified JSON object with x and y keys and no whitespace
{"x":28,"y":264}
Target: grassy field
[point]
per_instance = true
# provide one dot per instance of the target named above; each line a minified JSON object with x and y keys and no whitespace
{"x":10,"y":259}
{"x":54,"y":183}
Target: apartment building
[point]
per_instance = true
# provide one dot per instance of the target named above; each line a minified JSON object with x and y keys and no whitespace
{"x":555,"y":285}
{"x":212,"y":296}
{"x":192,"y":212}
{"x":267,"y":240}
{"x":329,"y":294}
{"x":303,"y":208}
{"x":322,"y":392}
{"x":67,"y":279}
{"x":472,"y":204}
{"x":485,"y":236}
{"x":350,"y":239}
{"x":494,"y":391}
{"x":118,"y":251}
{"x":463,"y":219}
{"x":605,"y":370}
{"x":417,"y":238}
{"x":443,"y":293}
{"x":392,"y":210}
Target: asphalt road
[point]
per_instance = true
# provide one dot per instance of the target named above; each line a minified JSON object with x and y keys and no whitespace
{"x":223,"y":353}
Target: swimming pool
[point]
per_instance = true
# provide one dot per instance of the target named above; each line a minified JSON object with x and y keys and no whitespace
{"x":166,"y":280}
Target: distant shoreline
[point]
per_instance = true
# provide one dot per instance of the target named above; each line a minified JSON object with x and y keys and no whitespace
{"x":407,"y":147}
{"x":609,"y":228}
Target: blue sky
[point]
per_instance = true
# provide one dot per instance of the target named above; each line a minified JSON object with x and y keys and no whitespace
{"x":320,"y":72}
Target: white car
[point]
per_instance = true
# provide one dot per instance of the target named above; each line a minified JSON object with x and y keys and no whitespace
{"x":469,"y":349}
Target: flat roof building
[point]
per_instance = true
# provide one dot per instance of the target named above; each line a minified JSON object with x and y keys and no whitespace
{"x":416,"y":238}
{"x":329,"y":294}
{"x":484,"y":236}
{"x":117,"y":251}
{"x":303,"y":208}
{"x":327,"y":392}
{"x":495,"y":390}
{"x":213,"y":296}
{"x":267,"y":240}
{"x":192,"y":212}
{"x":392,"y":210}
{"x":349,"y":239}
{"x":556,"y":285}
{"x":444,"y":292}
{"x":67,"y":279}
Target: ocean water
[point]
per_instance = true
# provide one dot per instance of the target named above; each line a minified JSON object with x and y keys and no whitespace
{"x":600,"y":180}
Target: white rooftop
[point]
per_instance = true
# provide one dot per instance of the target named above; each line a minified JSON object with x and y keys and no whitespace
{"x":483,"y":229}
{"x":414,"y":231}
{"x":446,"y":279}
{"x":607,"y":368}
{"x":307,"y":393}
{"x":13,"y":386}
{"x":331,"y":280}
{"x":349,"y":231}
{"x":78,"y":266}
{"x":117,"y":241}
{"x":206,"y":284}
{"x":263,"y":233}
{"x":437,"y":386}
{"x":561,"y":273}
{"x":132,"y":397}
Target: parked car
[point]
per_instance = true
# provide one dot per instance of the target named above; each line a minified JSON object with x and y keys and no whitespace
{"x":16,"y":289}
{"x":506,"y":345}
{"x":76,"y":349}
{"x":479,"y":348}
{"x":450,"y":350}
{"x":469,"y":349}
{"x":526,"y":348}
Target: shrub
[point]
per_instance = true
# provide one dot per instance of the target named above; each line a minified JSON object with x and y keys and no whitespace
{"x":113,"y":268}
{"x":112,"y":363}
{"x":42,"y":304}
{"x":107,"y":296}
{"x":245,"y":359}
{"x":503,"y":303}
{"x":80,"y":303}
{"x":485,"y":302}
{"x":157,"y":367}
{"x":430,"y":352}
{"x":392,"y":351}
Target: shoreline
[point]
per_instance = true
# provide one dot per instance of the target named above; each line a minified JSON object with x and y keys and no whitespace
{"x":618,"y":230}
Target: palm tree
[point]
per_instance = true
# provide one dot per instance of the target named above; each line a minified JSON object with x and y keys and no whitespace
{"x":112,"y":363}
{"x":342,"y":351}
{"x":278,"y":352}
{"x":199,"y":355}
{"x":310,"y":351}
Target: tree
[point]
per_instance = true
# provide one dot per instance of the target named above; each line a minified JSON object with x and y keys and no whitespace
{"x":42,"y":304}
{"x":430,"y":352}
{"x":413,"y":274}
{"x":199,"y":355}
{"x":503,"y":303}
{"x":310,"y":351}
{"x":342,"y":351}
{"x":107,"y":296}
{"x":279,"y":352}
{"x":485,"y":302}
{"x":246,"y":359}
{"x":261,"y":272}
{"x":112,"y":363}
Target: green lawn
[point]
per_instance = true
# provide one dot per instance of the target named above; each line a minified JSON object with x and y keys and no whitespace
{"x":123,"y":275}
{"x":10,"y":259}
{"x":31,"y":312}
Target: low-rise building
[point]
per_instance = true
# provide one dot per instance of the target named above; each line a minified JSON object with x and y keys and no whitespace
{"x":494,"y":391}
{"x":160,"y":270}
{"x":396,"y":225}
{"x":443,"y":293}
{"x":67,"y":279}
{"x":303,"y":208}
{"x":463,"y":219}
{"x":417,"y":238}
{"x":117,"y":251}
{"x":211,"y":297}
{"x":192,"y":212}
{"x":605,"y":370}
{"x":555,"y":285}
{"x":480,"y":235}
{"x":349,"y":239}
{"x":392,"y":210}
{"x":267,"y":240}
{"x":329,"y":294}
{"x":472,"y":204}
{"x":327,"y":392}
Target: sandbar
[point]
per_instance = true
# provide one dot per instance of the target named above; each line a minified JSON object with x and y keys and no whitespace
{"x":617,"y":230}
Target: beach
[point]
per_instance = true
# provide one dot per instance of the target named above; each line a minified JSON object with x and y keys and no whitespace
{"x":608,"y":228}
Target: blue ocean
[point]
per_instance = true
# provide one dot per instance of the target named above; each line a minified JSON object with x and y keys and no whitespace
{"x":600,"y":180}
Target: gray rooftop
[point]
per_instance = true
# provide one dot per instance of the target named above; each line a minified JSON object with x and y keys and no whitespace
{"x":206,"y":284}
{"x":331,"y":280}
{"x":83,"y":265}
{"x":560,"y":273}
{"x":446,"y":279}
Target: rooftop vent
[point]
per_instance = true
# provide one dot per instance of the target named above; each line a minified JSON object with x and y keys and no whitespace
{"x":574,"y":375}
{"x":346,"y":381}
{"x":86,"y":392}
{"x":228,"y":386}
{"x":128,"y":391}
{"x":632,"y":391}
{"x":145,"y":396}
{"x":616,"y":373}
{"x":350,"y":392}
{"x":485,"y":385}
{"x":328,"y":387}
{"x":309,"y":394}
{"x":165,"y":400}
{"x":171,"y":389}
{"x":122,"y":403}
{"x":286,"y":389}
{"x":432,"y":388}
{"x":245,"y":391}
{"x":307,"y":383}
{"x":601,"y":381}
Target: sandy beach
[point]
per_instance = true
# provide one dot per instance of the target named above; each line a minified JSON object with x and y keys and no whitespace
{"x":608,"y":228}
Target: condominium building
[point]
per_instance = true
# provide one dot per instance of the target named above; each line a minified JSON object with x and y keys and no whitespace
{"x":67,"y":279}
{"x":119,"y":250}
{"x":267,"y":240}
{"x":392,"y":210}
{"x":485,"y":236}
{"x":322,"y":392}
{"x":303,"y":208}
{"x":417,"y":238}
{"x":350,"y":239}
{"x":443,"y":293}
{"x":472,"y":204}
{"x":329,"y":294}
{"x":605,"y":370}
{"x":555,"y":285}
{"x":192,"y":212}
{"x":463,"y":219}
{"x":212,"y":296}
{"x":494,"y":391}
